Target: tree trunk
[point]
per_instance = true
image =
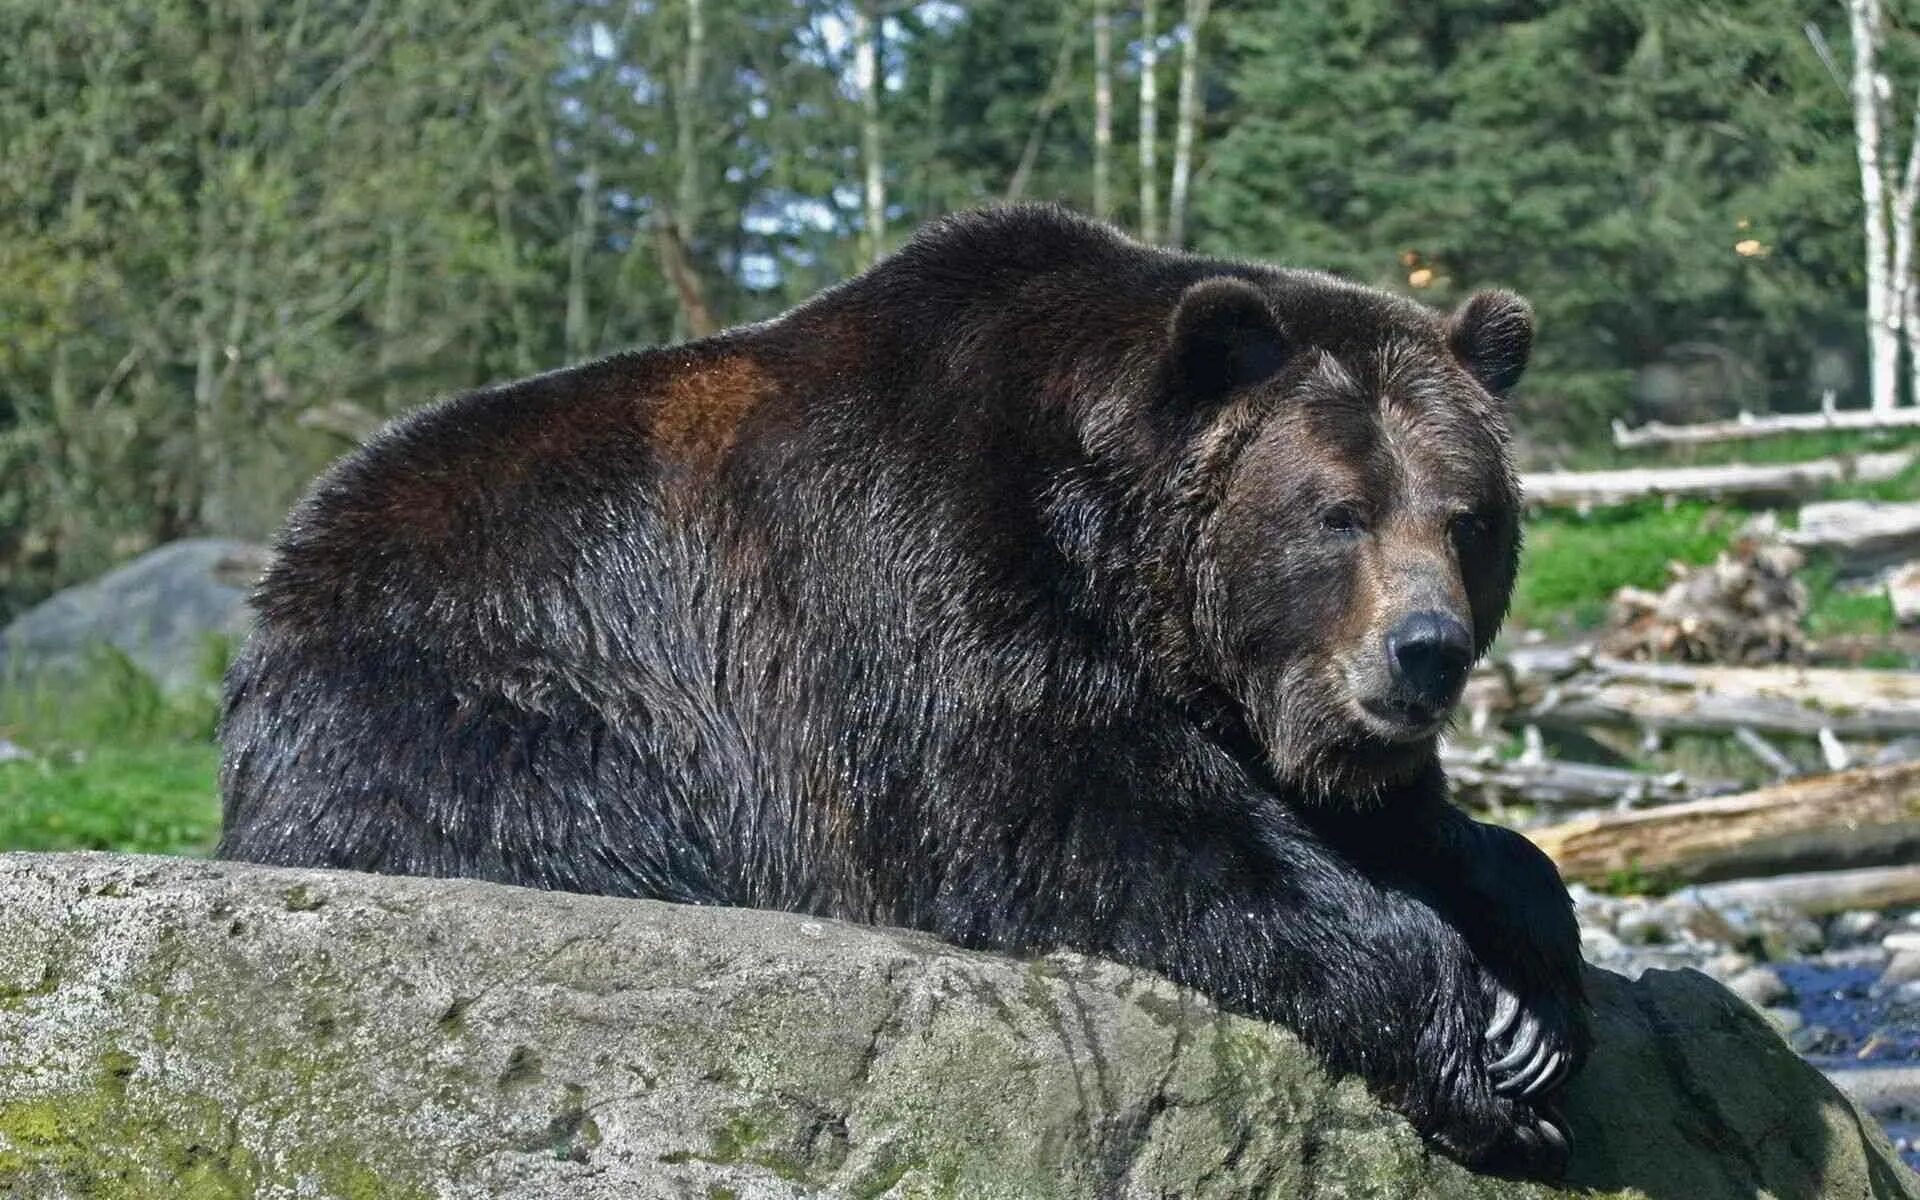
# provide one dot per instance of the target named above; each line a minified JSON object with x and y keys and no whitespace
{"x":1865,"y":20}
{"x":1049,"y":101}
{"x":1819,"y":893}
{"x":1490,"y":783}
{"x":577,"y":254}
{"x":866,"y":37}
{"x":1149,"y":122}
{"x":1102,"y":108}
{"x":1907,"y":321}
{"x":1187,"y":124}
{"x":1747,"y":427}
{"x":694,"y":312}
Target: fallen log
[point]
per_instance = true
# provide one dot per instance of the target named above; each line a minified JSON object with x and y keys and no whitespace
{"x":1860,"y":537}
{"x":1559,"y":692}
{"x":1769,"y":483}
{"x":1748,"y":426}
{"x":1867,"y":816}
{"x":1818,"y":893}
{"x":1485,"y":781}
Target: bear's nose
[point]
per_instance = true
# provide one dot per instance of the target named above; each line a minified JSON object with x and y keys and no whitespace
{"x":1430,"y":653}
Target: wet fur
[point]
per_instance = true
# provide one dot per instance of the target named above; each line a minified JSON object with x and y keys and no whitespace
{"x":912,"y":607}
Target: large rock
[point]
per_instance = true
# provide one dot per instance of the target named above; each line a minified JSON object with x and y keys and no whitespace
{"x":160,"y":609}
{"x":172,"y":1028}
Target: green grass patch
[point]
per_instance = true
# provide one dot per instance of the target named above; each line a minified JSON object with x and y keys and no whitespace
{"x":117,"y":763}
{"x":1573,"y":564}
{"x":1833,"y":611}
{"x":151,"y":800}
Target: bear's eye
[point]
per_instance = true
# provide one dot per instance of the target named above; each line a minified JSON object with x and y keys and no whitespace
{"x":1467,"y":528}
{"x":1344,"y":519}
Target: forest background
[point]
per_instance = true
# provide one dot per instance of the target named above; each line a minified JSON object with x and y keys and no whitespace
{"x":235,"y":235}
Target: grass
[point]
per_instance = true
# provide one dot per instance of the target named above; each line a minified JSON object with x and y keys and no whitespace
{"x":1785,"y":448}
{"x":117,"y":764}
{"x":153,"y":800}
{"x":1573,"y":564}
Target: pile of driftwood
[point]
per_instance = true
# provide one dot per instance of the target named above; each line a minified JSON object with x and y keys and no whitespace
{"x":1747,"y":606}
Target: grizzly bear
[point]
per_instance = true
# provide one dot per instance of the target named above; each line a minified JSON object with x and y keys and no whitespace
{"x":1036,"y":588}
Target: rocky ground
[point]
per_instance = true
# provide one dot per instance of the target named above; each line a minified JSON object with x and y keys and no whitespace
{"x":1845,"y":990}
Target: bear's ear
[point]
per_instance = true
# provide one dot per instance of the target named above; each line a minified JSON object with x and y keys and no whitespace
{"x":1225,"y":336}
{"x":1492,"y":335}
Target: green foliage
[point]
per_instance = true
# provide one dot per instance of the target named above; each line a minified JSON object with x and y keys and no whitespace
{"x":118,"y":764}
{"x":1632,"y":881}
{"x":1604,"y":158}
{"x":1573,"y":564}
{"x":152,"y":800}
{"x":234,"y":233}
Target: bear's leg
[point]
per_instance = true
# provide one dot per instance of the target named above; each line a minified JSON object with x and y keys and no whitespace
{"x":1506,"y":898}
{"x":1371,"y":975}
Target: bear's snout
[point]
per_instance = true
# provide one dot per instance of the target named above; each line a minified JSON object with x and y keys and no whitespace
{"x":1428,"y":654}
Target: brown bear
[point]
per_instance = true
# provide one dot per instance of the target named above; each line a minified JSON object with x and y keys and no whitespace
{"x":1035,"y":588}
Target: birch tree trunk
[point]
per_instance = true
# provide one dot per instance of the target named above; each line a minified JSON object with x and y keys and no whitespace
{"x":1905,"y":319}
{"x":578,"y":317}
{"x":1865,"y":21}
{"x":686,"y":208}
{"x":1187,"y":123}
{"x":866,"y":37}
{"x":1102,"y":108}
{"x":1149,"y":123}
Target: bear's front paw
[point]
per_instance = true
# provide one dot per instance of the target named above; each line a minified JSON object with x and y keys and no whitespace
{"x":1530,"y":1048}
{"x":1502,"y":1052}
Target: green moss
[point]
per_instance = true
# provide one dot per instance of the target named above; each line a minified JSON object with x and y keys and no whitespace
{"x":353,"y":1181}
{"x":13,"y":998}
{"x":301,"y":898}
{"x":96,"y":1148}
{"x":103,"y":1144}
{"x":877,"y":1182}
{"x":741,"y":1141}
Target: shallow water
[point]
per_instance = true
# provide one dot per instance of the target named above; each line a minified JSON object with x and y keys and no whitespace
{"x":1849,"y":1027}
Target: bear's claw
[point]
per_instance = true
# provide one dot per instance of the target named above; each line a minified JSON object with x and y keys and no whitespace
{"x":1505,"y":1009}
{"x":1529,"y":1057}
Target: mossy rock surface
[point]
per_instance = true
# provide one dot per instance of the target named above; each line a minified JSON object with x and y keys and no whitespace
{"x":171,"y":1028}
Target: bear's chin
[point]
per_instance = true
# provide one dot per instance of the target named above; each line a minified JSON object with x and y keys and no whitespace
{"x":1354,"y":768}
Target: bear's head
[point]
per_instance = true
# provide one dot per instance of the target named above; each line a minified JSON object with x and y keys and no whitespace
{"x":1347,"y":454}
